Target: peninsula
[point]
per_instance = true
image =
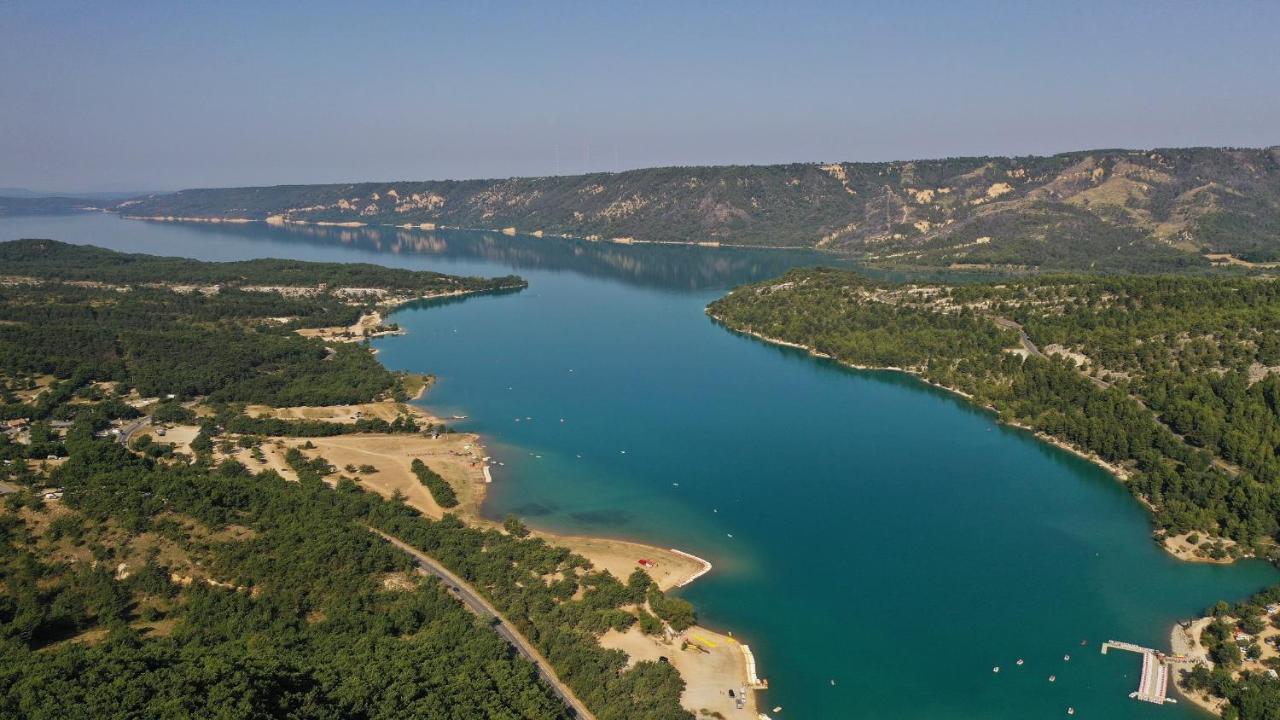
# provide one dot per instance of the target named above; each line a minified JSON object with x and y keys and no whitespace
{"x":1170,"y":383}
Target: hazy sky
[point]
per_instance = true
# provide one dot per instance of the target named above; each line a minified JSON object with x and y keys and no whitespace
{"x":163,"y":95}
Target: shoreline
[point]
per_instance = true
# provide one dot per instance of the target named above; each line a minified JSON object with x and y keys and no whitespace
{"x":1183,"y":641}
{"x":613,"y":554}
{"x":1119,"y":473}
{"x":216,"y":220}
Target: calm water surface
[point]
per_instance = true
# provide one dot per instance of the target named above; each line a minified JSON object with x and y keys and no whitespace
{"x":866,"y":529}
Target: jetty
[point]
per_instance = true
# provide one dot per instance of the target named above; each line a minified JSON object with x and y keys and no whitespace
{"x":1153,"y":683}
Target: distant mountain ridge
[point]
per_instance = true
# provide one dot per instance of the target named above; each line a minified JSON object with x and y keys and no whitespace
{"x":1116,"y":209}
{"x":54,"y":205}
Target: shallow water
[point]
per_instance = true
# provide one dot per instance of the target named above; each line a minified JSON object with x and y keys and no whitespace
{"x":865,"y":528}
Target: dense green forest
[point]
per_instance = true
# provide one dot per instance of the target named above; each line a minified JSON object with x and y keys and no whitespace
{"x":1174,"y":381}
{"x":300,"y":622}
{"x":140,"y":582}
{"x":1141,"y":210}
{"x":1178,"y":382}
{"x":52,"y":260}
{"x":14,"y":206}
{"x":83,"y":313}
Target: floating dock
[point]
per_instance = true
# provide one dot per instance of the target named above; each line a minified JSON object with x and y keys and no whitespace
{"x":1153,"y":683}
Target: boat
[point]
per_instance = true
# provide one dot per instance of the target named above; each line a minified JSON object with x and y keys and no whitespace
{"x":1066,"y":658}
{"x":995,"y":669}
{"x":459,"y":417}
{"x":1053,"y":678}
{"x":1019,"y":661}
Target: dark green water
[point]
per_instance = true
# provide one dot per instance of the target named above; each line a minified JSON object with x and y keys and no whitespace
{"x":865,"y":528}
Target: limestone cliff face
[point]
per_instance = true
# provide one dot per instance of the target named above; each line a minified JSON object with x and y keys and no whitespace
{"x":1075,"y":210}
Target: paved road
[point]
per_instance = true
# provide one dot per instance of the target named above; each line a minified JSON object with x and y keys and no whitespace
{"x":1026,"y":339}
{"x":1103,"y":384}
{"x":478,"y":605}
{"x":128,"y":430}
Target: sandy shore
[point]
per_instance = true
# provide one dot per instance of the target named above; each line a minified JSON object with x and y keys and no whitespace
{"x":462,"y":460}
{"x":1185,"y":641}
{"x":711,"y":664}
{"x":1180,"y":547}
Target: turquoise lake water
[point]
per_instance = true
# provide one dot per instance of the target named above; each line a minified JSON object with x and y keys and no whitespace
{"x":865,"y":528}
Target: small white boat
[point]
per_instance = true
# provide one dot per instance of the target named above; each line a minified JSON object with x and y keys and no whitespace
{"x":995,"y":669}
{"x":1019,"y":661}
{"x":1066,"y":658}
{"x":1053,"y":678}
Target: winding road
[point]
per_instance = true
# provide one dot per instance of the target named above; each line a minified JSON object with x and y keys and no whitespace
{"x":481,"y":607}
{"x":1032,"y":349}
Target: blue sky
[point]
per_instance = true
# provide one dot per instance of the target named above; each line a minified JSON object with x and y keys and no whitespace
{"x":162,"y":95}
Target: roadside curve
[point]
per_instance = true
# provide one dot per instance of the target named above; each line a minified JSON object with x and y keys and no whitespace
{"x":478,"y":605}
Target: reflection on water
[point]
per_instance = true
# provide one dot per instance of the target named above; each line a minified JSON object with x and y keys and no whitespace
{"x":674,"y":267}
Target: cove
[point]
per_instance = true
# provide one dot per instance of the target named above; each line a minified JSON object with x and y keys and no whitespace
{"x":866,"y":529}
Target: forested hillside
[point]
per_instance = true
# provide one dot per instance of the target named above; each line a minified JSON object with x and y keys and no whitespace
{"x":148,"y":576}
{"x":1104,"y":209}
{"x":48,"y":205}
{"x":1175,"y":381}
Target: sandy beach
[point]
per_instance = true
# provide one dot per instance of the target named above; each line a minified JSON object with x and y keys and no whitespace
{"x":711,"y":664}
{"x":460,"y":458}
{"x":1185,"y":641}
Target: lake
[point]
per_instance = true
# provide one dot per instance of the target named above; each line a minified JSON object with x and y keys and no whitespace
{"x":879,"y":543}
